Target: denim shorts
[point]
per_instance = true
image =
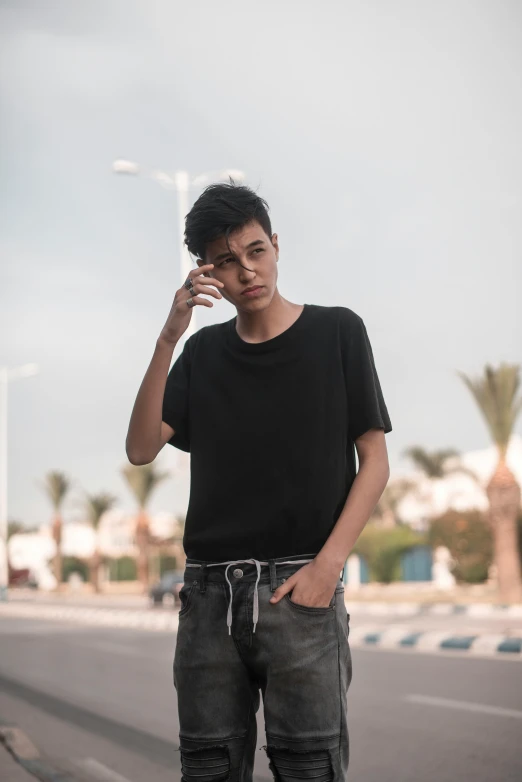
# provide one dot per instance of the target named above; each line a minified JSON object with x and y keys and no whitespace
{"x":297,"y":656}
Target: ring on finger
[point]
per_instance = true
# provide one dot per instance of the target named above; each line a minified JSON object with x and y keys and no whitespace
{"x":188,"y":284}
{"x":191,"y":302}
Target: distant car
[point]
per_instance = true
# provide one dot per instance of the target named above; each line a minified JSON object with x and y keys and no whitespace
{"x":21,"y":577}
{"x":166,"y":590}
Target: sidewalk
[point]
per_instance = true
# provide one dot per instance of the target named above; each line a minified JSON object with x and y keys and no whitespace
{"x":424,"y":592}
{"x":414,"y":592}
{"x":393,"y":608}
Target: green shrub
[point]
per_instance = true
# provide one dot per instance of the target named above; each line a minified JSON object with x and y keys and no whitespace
{"x":74,"y":565}
{"x":383,"y":548}
{"x":167,"y":562}
{"x":123,"y":569}
{"x":469,"y":538}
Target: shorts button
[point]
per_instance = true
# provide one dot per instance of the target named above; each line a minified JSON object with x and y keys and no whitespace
{"x":238,"y":572}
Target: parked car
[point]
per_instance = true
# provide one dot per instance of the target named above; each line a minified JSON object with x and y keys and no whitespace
{"x":166,"y":590}
{"x":21,"y":577}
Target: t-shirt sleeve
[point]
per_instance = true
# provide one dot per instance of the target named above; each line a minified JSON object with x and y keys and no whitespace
{"x":175,"y":410}
{"x":366,"y":407}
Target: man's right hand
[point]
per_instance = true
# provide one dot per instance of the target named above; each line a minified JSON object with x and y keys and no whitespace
{"x":180,"y":313}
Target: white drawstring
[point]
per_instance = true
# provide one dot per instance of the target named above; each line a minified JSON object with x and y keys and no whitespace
{"x":258,"y":564}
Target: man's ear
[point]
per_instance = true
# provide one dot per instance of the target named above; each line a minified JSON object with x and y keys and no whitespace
{"x":275,"y":245}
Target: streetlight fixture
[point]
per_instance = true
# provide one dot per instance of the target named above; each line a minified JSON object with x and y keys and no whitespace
{"x":181,"y":182}
{"x":6,"y":374}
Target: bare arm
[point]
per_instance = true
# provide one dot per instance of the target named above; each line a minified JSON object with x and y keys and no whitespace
{"x":148,"y":433}
{"x":369,"y":484}
{"x":314,"y":584}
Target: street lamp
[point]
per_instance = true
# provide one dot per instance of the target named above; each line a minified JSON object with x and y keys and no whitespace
{"x":6,"y":374}
{"x":181,"y":182}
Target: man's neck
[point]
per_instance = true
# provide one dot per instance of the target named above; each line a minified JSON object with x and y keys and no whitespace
{"x":268,"y":323}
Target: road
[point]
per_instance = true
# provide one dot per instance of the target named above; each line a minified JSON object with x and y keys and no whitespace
{"x":102,"y":699}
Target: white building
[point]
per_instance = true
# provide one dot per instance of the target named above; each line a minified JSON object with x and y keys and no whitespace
{"x":460,"y":492}
{"x":35,"y":550}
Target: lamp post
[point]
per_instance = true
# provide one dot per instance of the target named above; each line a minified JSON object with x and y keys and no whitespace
{"x":181,"y":182}
{"x":6,"y":374}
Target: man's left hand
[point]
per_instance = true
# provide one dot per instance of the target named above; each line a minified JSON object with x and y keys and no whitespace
{"x":313,"y":585}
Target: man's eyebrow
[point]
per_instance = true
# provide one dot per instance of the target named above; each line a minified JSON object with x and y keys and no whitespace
{"x":227,"y":254}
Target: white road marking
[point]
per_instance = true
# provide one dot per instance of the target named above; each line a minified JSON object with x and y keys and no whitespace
{"x":100,"y":771}
{"x":479,"y":708}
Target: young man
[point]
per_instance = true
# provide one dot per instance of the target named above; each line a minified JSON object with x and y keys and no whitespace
{"x":272,"y":406}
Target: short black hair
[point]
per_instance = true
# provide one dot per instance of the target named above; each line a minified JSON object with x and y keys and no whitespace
{"x":222,"y":208}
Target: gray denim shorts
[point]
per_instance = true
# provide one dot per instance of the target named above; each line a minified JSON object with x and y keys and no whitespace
{"x":298,"y":658}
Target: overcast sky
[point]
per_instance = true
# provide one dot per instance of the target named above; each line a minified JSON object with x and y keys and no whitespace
{"x":385,"y":135}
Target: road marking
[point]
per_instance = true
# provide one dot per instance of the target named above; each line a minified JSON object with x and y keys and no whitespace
{"x":480,"y":708}
{"x":100,"y":771}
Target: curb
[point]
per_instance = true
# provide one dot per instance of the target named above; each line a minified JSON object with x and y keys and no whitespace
{"x":486,"y":644}
{"x":362,"y":636}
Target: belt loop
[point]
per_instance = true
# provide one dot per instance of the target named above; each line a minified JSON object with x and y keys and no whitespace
{"x":273,"y":575}
{"x":202,"y":584}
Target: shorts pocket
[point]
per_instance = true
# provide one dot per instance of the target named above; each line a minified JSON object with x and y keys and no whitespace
{"x":185,"y":595}
{"x":311,"y":609}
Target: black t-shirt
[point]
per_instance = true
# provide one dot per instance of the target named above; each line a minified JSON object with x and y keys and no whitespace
{"x":270,"y":427}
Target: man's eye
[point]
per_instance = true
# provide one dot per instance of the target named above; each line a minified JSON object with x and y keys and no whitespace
{"x":259,"y":250}
{"x":225,"y":261}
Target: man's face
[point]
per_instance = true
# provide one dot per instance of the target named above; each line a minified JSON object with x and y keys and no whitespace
{"x":251,"y":264}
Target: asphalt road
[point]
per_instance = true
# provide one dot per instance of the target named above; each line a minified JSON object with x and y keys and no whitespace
{"x":102,"y":700}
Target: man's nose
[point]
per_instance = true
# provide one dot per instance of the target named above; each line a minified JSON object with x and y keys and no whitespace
{"x":245,"y":273}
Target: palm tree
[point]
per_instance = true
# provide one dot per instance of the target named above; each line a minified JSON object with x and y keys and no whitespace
{"x":496,"y":396}
{"x":386,"y":511}
{"x":96,"y":506}
{"x":142,"y":480}
{"x":437,"y":465}
{"x":56,"y":486}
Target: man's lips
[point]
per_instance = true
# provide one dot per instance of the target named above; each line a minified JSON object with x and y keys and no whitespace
{"x":252,"y":290}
